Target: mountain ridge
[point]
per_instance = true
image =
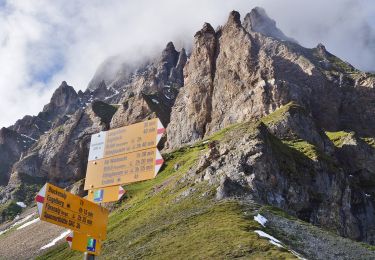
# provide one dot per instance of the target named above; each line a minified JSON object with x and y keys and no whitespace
{"x":286,"y":126}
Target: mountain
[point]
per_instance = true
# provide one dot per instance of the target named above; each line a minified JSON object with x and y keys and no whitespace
{"x":256,"y":124}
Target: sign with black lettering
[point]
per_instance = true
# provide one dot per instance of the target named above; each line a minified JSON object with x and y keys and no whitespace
{"x":126,"y":139}
{"x":122,"y":169}
{"x":65,"y":209}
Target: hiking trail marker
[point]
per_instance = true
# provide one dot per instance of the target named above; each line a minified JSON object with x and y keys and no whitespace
{"x":124,"y":155}
{"x":84,"y":243}
{"x":107,"y":194}
{"x":65,"y":209}
{"x":123,"y":169}
{"x":126,"y":139}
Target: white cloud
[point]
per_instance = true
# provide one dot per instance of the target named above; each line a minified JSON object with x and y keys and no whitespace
{"x":43,"y":42}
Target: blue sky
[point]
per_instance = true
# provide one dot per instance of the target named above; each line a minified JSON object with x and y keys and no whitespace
{"x":44,"y":42}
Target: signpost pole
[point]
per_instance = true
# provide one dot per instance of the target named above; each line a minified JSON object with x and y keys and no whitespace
{"x":87,"y":256}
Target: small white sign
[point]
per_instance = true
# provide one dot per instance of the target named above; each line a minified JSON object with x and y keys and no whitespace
{"x":97,"y":146}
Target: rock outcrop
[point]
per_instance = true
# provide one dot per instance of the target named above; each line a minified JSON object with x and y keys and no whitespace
{"x":307,"y":146}
{"x":12,"y":147}
{"x":258,"y":21}
{"x":295,"y":167}
{"x":236,"y":74}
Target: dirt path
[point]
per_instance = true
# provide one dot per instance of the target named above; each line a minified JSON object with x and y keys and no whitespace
{"x":25,"y":243}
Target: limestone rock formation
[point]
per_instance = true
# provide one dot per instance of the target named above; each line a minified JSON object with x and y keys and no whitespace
{"x":301,"y":123}
{"x":272,"y":163}
{"x":258,"y":21}
{"x":236,"y":74}
{"x":12,"y":147}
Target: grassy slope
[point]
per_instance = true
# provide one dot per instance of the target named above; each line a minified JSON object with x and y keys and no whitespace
{"x":167,"y":219}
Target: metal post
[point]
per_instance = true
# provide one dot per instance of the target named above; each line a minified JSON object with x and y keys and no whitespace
{"x":88,"y":256}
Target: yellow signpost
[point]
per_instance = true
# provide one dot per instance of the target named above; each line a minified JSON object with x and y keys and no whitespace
{"x":62,"y":208}
{"x":84,"y":243}
{"x":119,"y":156}
{"x":126,"y":139}
{"x":106,"y":194}
{"x":122,"y":169}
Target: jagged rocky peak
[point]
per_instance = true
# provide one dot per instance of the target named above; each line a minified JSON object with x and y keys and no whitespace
{"x":321,"y":50}
{"x":234,"y":18}
{"x":207,"y":29}
{"x":4,"y":133}
{"x":64,"y":100}
{"x":258,"y":21}
{"x":182,"y":58}
{"x":109,"y":70}
{"x":170,"y":55}
{"x":12,"y":145}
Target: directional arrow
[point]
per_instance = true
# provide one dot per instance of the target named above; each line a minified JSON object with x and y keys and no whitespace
{"x":122,"y":169}
{"x":126,"y":139}
{"x":65,"y":209}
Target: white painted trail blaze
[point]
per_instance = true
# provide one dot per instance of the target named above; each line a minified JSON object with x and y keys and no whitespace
{"x":161,"y":131}
{"x":40,"y":199}
{"x":158,"y":162}
{"x":53,"y":242}
{"x":121,"y":192}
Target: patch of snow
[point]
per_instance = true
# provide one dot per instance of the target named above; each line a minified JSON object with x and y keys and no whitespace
{"x":367,"y":195}
{"x":260,"y":219}
{"x":21,"y":204}
{"x":297,"y":255}
{"x":18,"y":222}
{"x":53,"y":242}
{"x":340,"y":80}
{"x":272,"y":81}
{"x":36,"y":126}
{"x":276,"y":244}
{"x":261,"y":84}
{"x":264,"y":234}
{"x":155,"y":101}
{"x":23,"y":220}
{"x":28,"y":223}
{"x":111,"y":96}
{"x":29,"y":136}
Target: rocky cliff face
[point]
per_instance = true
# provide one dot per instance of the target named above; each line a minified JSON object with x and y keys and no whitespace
{"x":285,"y":160}
{"x":53,"y":146}
{"x":236,"y":74}
{"x":12,"y":146}
{"x":308,"y":146}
